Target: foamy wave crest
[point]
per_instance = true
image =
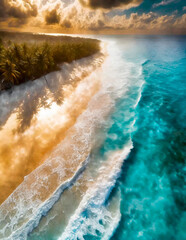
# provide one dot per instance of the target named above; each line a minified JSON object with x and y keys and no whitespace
{"x":21,"y":212}
{"x":91,"y":216}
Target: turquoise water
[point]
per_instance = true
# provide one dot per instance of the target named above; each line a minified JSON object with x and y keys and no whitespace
{"x":152,"y":183}
{"x":133,"y":185}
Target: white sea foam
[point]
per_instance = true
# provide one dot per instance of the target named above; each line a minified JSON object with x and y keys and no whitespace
{"x":36,"y":195}
{"x":21,"y":212}
{"x":86,"y":219}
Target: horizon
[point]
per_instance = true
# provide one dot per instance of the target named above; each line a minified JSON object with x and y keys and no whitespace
{"x":93,"y":34}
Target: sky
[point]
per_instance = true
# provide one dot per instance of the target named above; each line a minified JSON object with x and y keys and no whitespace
{"x":94,"y":16}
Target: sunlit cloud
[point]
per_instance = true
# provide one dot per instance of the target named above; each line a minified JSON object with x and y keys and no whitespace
{"x":88,"y":16}
{"x":163,"y":3}
{"x":18,"y":9}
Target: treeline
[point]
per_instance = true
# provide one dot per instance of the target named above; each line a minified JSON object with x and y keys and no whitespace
{"x":21,"y":62}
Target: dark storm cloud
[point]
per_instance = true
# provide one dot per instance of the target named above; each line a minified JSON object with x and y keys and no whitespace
{"x":107,"y":4}
{"x":52,"y":17}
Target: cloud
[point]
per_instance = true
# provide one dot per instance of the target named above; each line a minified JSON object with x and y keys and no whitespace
{"x":66,"y":24}
{"x":74,"y":17}
{"x":17,"y":22}
{"x":163,"y":3}
{"x":146,"y":23}
{"x":52,"y":17}
{"x":18,"y":9}
{"x":108,"y":4}
{"x":180,"y":23}
{"x":17,"y":12}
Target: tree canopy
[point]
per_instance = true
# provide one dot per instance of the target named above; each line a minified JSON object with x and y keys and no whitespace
{"x":21,"y":62}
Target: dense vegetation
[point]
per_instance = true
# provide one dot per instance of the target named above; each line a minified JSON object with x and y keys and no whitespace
{"x":20,"y":62}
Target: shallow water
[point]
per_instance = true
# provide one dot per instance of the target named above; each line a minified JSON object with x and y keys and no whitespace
{"x":118,"y":171}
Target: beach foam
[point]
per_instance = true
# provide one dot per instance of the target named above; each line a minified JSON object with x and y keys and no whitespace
{"x":91,"y":210}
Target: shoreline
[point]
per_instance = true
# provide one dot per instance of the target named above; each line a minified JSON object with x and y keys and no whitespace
{"x":25,"y":104}
{"x":26,"y":56}
{"x":61,"y":163}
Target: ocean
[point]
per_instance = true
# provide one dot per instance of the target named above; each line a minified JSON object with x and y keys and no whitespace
{"x":118,"y":164}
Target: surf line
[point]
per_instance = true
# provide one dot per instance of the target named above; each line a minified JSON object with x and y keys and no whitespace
{"x":22,"y":233}
{"x":96,"y":197}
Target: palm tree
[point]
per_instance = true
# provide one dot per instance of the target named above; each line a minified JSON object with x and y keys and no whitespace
{"x":1,"y":50}
{"x":17,"y":51}
{"x":25,"y":49}
{"x":28,"y":66}
{"x":9,"y":71}
{"x":27,"y":62}
{"x":42,"y":63}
